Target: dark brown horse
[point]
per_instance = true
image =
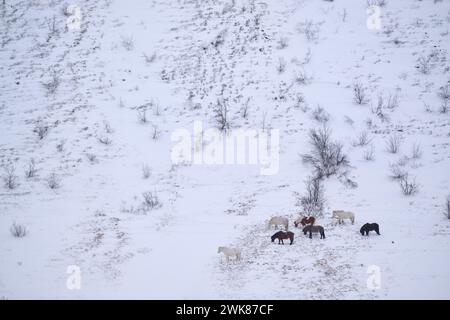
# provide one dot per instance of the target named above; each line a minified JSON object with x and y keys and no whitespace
{"x":280,"y":235}
{"x":304,"y":221}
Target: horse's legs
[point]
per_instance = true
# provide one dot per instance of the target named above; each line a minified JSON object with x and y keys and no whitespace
{"x":310,"y":234}
{"x":282,"y":241}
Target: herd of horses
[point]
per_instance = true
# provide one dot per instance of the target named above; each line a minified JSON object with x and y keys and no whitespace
{"x":309,"y":227}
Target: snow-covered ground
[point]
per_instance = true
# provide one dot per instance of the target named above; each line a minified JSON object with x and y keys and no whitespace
{"x":274,"y":63}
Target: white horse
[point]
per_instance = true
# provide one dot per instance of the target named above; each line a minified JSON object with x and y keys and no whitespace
{"x":275,"y":221}
{"x":341,"y":215}
{"x":230,"y":252}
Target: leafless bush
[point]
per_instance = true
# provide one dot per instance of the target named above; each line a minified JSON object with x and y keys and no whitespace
{"x":52,"y":29}
{"x":369,"y":154}
{"x":41,"y":129}
{"x":150,"y":201}
{"x":244,"y":112}
{"x":142,"y":116}
{"x":10,"y":178}
{"x":53,"y":84}
{"x":60,"y":145}
{"x":362,"y":140}
{"x":281,"y":66}
{"x":447,"y":207}
{"x":348,"y":120}
{"x":326,"y":156}
{"x":149,"y":58}
{"x":31,"y":170}
{"x":53,"y":181}
{"x":312,"y":201}
{"x":128,"y":43}
{"x":444,"y":93}
{"x":320,"y":115}
{"x":444,"y":107}
{"x":221,"y":115}
{"x":91,"y":157}
{"x":359,"y":94}
{"x":301,"y":103}
{"x":155,"y":133}
{"x":409,"y":186}
{"x":416,"y":152}
{"x":309,"y":29}
{"x":378,"y":111}
{"x":283,"y":43}
{"x":18,"y":230}
{"x":146,"y":171}
{"x":302,"y":78}
{"x":424,"y":64}
{"x":378,"y":3}
{"x":397,"y":172}
{"x":427,"y":107}
{"x":393,"y":143}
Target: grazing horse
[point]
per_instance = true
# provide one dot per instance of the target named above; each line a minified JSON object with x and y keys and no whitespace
{"x":315,"y":229}
{"x":280,"y":235}
{"x":341,"y":215}
{"x":230,"y":252}
{"x":275,"y":221}
{"x":304,"y":221}
{"x":370,"y":227}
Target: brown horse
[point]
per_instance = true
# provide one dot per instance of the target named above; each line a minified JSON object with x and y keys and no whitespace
{"x":280,"y":235}
{"x":304,"y":221}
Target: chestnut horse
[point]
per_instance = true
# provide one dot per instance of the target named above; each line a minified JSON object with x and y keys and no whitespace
{"x":304,"y":221}
{"x":280,"y":235}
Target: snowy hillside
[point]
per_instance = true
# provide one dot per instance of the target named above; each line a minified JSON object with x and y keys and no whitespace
{"x":94,"y":97}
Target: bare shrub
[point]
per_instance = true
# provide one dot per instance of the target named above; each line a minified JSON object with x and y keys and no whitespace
{"x":416,"y":152}
{"x":41,"y":129}
{"x":10,"y":178}
{"x":18,"y":230}
{"x":149,"y":58}
{"x":393,"y":143}
{"x":447,"y":207}
{"x":369,"y":154}
{"x":326,"y":156}
{"x":444,"y":93}
{"x":128,"y":43}
{"x":320,"y":115}
{"x":309,"y":29}
{"x":282,"y":43}
{"x":302,"y":78}
{"x":362,"y":140}
{"x":53,"y":84}
{"x":31,"y":170}
{"x":150,"y":201}
{"x":444,"y":107}
{"x":281,"y":66}
{"x":312,"y":201}
{"x":142,"y":116}
{"x":221,"y":115}
{"x":424,"y":64}
{"x":91,"y":157}
{"x":155,"y":132}
{"x":146,"y":171}
{"x":397,"y":172}
{"x":359,"y":94}
{"x":60,"y":146}
{"x":408,"y":185}
{"x":53,"y":181}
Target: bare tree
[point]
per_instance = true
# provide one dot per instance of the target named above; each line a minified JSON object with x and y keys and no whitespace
{"x":312,"y":201}
{"x":326,"y":156}
{"x":221,"y":115}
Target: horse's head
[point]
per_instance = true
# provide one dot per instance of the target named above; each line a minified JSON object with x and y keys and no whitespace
{"x":219,"y":250}
{"x":273,"y":238}
{"x":296,"y":224}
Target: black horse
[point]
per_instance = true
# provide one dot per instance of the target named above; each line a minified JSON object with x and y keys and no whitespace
{"x":280,"y":235}
{"x":370,"y":227}
{"x":315,"y":229}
